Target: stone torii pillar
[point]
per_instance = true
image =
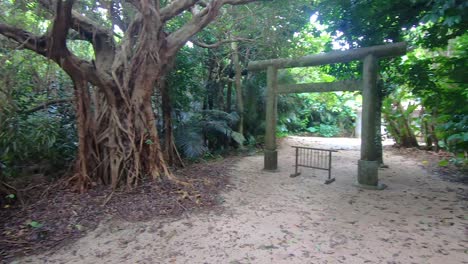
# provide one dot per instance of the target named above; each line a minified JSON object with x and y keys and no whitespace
{"x":368,"y":163}
{"x":271,"y":154}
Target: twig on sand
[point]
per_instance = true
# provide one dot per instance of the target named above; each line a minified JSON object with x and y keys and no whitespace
{"x":107,"y":199}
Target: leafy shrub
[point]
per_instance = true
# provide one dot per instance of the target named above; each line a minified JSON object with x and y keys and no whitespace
{"x":35,"y":143}
{"x":454,"y":133}
{"x":34,"y":140}
{"x":206,"y":130}
{"x":328,"y":115}
{"x":328,"y":130}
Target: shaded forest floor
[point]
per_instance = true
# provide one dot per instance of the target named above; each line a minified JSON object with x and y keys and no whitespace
{"x":262,"y":217}
{"x":46,"y":216}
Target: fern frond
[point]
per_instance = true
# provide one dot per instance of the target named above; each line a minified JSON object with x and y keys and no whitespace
{"x":190,"y":141}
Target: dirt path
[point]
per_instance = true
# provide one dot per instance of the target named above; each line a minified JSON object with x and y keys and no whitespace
{"x":272,"y":218}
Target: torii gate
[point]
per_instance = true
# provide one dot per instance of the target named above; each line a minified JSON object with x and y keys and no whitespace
{"x":368,"y":163}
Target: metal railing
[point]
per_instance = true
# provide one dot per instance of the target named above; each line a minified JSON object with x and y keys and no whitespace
{"x":315,"y":158}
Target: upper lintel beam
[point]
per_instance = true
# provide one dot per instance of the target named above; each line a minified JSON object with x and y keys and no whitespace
{"x":349,"y":85}
{"x":389,"y":50}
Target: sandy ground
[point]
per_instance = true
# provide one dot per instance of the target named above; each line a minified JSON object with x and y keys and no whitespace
{"x":272,"y":218}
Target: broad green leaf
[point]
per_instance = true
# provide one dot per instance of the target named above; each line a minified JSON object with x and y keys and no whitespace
{"x":35,"y":224}
{"x":443,"y":163}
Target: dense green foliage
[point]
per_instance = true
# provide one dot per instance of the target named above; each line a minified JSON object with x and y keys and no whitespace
{"x":438,"y":86}
{"x":327,"y":115}
{"x":34,"y":139}
{"x":426,"y":91}
{"x":431,"y":79}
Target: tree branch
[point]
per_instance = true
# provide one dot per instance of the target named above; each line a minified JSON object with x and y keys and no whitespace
{"x":200,"y":20}
{"x":26,"y":39}
{"x":101,"y":38}
{"x":239,"y":2}
{"x":46,"y":104}
{"x":202,"y":3}
{"x":134,"y":3}
{"x":53,"y":46}
{"x":175,"y":8}
{"x":40,"y":45}
{"x":58,"y":36}
{"x":177,"y":39}
{"x":219,"y":43}
{"x":81,"y":24}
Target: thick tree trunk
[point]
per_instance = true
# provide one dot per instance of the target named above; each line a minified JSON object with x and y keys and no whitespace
{"x":238,"y":85}
{"x":118,"y":140}
{"x":210,"y":83}
{"x":170,"y":151}
{"x":228,"y":97}
{"x":86,"y":135}
{"x":167,"y":118}
{"x":220,"y":95}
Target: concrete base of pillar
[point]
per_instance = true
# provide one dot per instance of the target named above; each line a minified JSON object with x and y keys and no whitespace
{"x":271,"y":160}
{"x":377,"y":187}
{"x":368,"y":172}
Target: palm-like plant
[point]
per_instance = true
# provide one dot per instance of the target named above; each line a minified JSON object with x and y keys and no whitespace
{"x":207,"y":130}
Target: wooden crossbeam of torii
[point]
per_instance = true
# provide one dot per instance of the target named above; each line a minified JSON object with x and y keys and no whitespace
{"x":368,"y":163}
{"x":381,"y":51}
{"x":348,"y":85}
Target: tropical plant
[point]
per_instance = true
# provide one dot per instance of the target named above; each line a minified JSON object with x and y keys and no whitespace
{"x":207,"y":130}
{"x":400,"y":122}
